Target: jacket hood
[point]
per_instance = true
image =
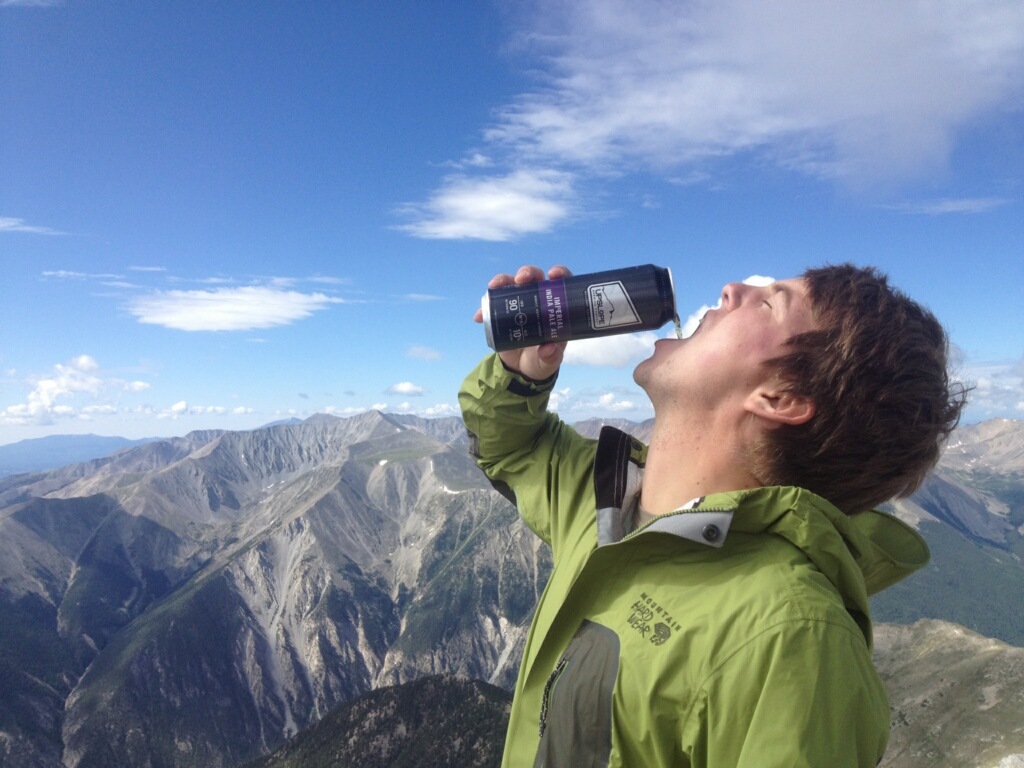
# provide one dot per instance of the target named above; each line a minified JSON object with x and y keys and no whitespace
{"x":860,"y":554}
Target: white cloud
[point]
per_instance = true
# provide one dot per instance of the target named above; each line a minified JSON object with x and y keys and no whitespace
{"x":611,"y":351}
{"x":998,"y":389}
{"x":9,"y":224}
{"x":227,"y":309}
{"x":406,"y":388}
{"x":350,"y":410}
{"x":853,"y":88}
{"x":472,"y":160}
{"x":420,"y":352}
{"x":559,"y":397}
{"x":494,"y":207}
{"x":574,"y":405}
{"x":423,"y":297}
{"x":66,"y":274}
{"x":440,"y":410}
{"x":98,"y":410}
{"x":181,"y":409}
{"x":957,"y":205}
{"x":614,"y":404}
{"x":58,"y":394}
{"x":860,"y":91}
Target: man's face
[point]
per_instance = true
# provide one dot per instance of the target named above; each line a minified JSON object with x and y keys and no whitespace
{"x":722,"y":361}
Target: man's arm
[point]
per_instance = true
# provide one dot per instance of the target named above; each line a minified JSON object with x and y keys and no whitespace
{"x":522,"y":447}
{"x":504,"y":399}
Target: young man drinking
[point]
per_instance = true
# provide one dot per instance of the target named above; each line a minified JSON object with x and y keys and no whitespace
{"x":709,"y":599}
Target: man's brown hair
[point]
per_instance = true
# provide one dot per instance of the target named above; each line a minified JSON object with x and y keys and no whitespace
{"x":876,"y":371}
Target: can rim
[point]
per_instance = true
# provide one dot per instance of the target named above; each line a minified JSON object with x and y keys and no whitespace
{"x":485,"y":310}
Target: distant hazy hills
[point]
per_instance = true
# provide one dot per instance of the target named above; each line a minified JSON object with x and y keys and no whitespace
{"x":198,"y":601}
{"x":43,"y":453}
{"x":971,"y":511}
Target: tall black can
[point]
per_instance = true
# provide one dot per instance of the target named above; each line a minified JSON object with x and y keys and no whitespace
{"x":579,"y":307}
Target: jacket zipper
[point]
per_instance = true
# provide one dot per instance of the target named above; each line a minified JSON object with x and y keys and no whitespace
{"x":545,"y":700}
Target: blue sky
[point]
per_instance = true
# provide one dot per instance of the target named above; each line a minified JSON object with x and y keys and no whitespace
{"x":217,"y":215}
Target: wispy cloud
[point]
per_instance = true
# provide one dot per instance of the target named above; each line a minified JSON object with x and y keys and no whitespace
{"x":422,"y":297}
{"x":952,"y":206}
{"x":8,"y":224}
{"x":66,"y":274}
{"x":182,"y":408}
{"x":420,"y":352}
{"x":494,"y":208}
{"x":29,"y":3}
{"x":227,"y":309}
{"x":852,"y":91}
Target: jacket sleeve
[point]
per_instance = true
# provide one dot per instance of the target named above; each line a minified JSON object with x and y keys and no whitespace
{"x":538,"y":462}
{"x":802,"y":695}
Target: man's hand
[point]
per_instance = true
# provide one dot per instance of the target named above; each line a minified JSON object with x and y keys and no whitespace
{"x":537,"y":362}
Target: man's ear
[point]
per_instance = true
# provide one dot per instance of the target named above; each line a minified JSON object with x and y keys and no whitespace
{"x":780,"y":406}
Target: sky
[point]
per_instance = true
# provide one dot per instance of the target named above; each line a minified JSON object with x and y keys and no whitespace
{"x":222,"y":215}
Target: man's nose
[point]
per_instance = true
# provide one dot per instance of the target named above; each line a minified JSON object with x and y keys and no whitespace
{"x":732,"y":294}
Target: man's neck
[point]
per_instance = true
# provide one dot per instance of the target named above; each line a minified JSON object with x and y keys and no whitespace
{"x":686,"y":460}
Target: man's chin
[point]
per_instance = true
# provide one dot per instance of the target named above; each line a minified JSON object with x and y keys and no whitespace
{"x":640,"y":372}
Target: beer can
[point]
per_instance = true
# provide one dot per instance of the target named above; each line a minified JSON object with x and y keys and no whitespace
{"x":616,"y":301}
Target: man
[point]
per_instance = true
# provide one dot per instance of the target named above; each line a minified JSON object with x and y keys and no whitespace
{"x":709,"y":599}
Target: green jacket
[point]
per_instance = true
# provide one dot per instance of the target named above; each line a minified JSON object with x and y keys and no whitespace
{"x":736,"y":633}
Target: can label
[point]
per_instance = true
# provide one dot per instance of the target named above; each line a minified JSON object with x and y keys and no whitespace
{"x":610,"y":306}
{"x":578,"y":307}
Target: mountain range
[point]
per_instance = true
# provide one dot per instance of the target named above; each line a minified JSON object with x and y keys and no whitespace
{"x":198,"y":601}
{"x":42,"y":453}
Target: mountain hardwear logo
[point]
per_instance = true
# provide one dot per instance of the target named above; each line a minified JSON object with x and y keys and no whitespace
{"x":661,"y":633}
{"x":642,"y":619}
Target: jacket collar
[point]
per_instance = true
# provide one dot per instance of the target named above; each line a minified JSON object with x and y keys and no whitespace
{"x":860,"y":554}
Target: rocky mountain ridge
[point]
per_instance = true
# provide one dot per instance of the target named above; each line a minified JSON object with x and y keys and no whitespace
{"x":234,"y":587}
{"x":955,"y":696}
